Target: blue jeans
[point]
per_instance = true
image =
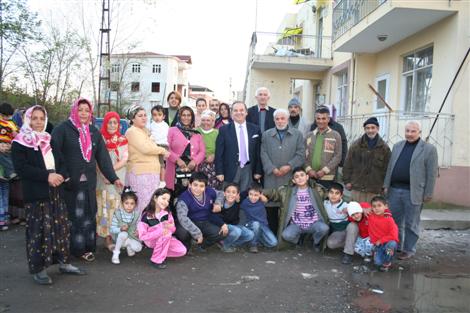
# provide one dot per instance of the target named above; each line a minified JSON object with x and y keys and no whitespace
{"x":262,"y":235}
{"x":318,"y":230}
{"x":7,"y":164}
{"x":384,"y":253}
{"x":4,"y":194}
{"x":237,"y":236}
{"x":407,"y":217}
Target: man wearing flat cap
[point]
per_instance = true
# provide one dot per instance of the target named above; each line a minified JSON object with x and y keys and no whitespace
{"x":366,"y":163}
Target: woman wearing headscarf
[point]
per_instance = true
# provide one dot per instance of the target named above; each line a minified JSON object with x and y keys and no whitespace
{"x":78,"y":148}
{"x":108,"y":196}
{"x":209,"y":135}
{"x":47,"y":228}
{"x":186,"y":148}
{"x":143,"y":167}
{"x":224,"y":116}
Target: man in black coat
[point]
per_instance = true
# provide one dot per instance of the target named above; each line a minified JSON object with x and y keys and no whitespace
{"x":261,"y":114}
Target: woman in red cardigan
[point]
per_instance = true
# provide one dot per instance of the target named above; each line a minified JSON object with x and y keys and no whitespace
{"x":186,"y":148}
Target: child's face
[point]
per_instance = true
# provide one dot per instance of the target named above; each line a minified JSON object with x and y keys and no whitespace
{"x":162,"y":201}
{"x":357,"y":216}
{"x":379,"y":208}
{"x":197,"y":188}
{"x":300,"y":179}
{"x":334,"y":195}
{"x":231,"y":194}
{"x":129,"y":205}
{"x":157,"y":116}
{"x":254,"y":196}
{"x":201,"y":106}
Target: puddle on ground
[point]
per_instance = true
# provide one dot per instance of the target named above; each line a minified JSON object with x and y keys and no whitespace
{"x":418,"y":290}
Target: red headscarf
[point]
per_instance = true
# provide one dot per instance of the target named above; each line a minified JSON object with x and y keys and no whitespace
{"x":115,"y":140}
{"x":84,"y":138}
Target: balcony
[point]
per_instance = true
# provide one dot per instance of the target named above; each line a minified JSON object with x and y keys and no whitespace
{"x":294,"y":52}
{"x":392,"y":129}
{"x":370,"y":26}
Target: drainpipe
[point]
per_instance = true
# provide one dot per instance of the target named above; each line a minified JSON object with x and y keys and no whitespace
{"x":353,"y":82}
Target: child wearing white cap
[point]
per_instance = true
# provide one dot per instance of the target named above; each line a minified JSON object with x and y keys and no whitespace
{"x":363,"y":246}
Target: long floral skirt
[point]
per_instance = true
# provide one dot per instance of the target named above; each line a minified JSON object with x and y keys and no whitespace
{"x":209,"y":170}
{"x":144,"y":185}
{"x":47,"y":232}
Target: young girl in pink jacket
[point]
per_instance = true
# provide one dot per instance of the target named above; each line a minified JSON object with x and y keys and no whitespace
{"x":156,"y":228}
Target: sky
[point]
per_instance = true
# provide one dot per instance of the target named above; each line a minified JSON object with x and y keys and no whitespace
{"x":216,"y":33}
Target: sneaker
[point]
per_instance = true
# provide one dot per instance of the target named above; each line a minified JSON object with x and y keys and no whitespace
{"x":405,"y":255}
{"x":13,"y":176}
{"x":367,"y":259}
{"x":115,"y":258}
{"x":229,"y":249}
{"x":346,"y":259}
{"x":254,"y":249}
{"x":4,"y":227}
{"x":385,"y":267}
{"x":3,"y":179}
{"x":70,"y":269}
{"x":130,"y":251}
{"x":317,"y":248}
{"x":42,"y":278}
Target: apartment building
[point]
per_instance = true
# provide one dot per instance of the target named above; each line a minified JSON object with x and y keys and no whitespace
{"x":352,"y":54}
{"x":147,"y":78}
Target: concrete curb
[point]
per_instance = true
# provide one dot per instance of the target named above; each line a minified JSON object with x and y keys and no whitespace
{"x":445,"y":219}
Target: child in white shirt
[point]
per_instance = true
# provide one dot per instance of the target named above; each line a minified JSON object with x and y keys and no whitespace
{"x":159,"y":130}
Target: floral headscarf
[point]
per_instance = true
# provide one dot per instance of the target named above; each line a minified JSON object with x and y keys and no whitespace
{"x":84,"y":138}
{"x":115,"y":140}
{"x":31,"y":138}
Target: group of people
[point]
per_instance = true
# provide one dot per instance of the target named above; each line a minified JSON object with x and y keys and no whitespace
{"x":195,"y":179}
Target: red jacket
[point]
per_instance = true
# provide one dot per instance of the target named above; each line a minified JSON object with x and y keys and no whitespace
{"x":383,"y":228}
{"x":363,"y":225}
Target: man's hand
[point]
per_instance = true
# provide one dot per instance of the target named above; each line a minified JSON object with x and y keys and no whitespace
{"x":312,"y":174}
{"x":285,"y":169}
{"x":277,"y":172}
{"x":320,"y":174}
{"x":257,"y":176}
{"x":118,"y":184}
{"x":55,"y":180}
{"x":220,"y":177}
{"x":199,"y":240}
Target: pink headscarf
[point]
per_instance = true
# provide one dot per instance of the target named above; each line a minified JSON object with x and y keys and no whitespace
{"x":31,"y":138}
{"x":84,"y":138}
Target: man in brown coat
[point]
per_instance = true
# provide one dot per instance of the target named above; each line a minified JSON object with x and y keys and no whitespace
{"x":366,"y":163}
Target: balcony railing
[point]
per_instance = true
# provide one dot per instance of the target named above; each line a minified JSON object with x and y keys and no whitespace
{"x":392,"y":129}
{"x":348,"y":13}
{"x":278,"y":44}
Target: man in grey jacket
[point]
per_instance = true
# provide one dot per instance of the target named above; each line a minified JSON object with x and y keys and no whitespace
{"x":409,"y":182}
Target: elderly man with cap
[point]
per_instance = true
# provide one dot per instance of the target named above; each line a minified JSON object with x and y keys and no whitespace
{"x":409,"y":182}
{"x":366,"y":163}
{"x":295,"y":119}
{"x":282,"y":150}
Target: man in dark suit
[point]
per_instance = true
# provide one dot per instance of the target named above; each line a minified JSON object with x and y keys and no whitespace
{"x":237,"y":150}
{"x":261,"y":114}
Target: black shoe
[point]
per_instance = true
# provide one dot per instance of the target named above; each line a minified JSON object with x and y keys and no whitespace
{"x":317,"y":248}
{"x":347,"y":259}
{"x":159,"y":266}
{"x":42,"y":279}
{"x":71,"y":270}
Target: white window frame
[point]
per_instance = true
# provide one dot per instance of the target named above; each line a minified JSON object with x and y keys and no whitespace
{"x":135,"y":68}
{"x":413,"y":72}
{"x":385,"y":77}
{"x":156,"y":68}
{"x":340,"y":88}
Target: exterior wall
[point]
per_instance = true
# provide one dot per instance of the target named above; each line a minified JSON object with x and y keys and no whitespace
{"x":278,"y":82}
